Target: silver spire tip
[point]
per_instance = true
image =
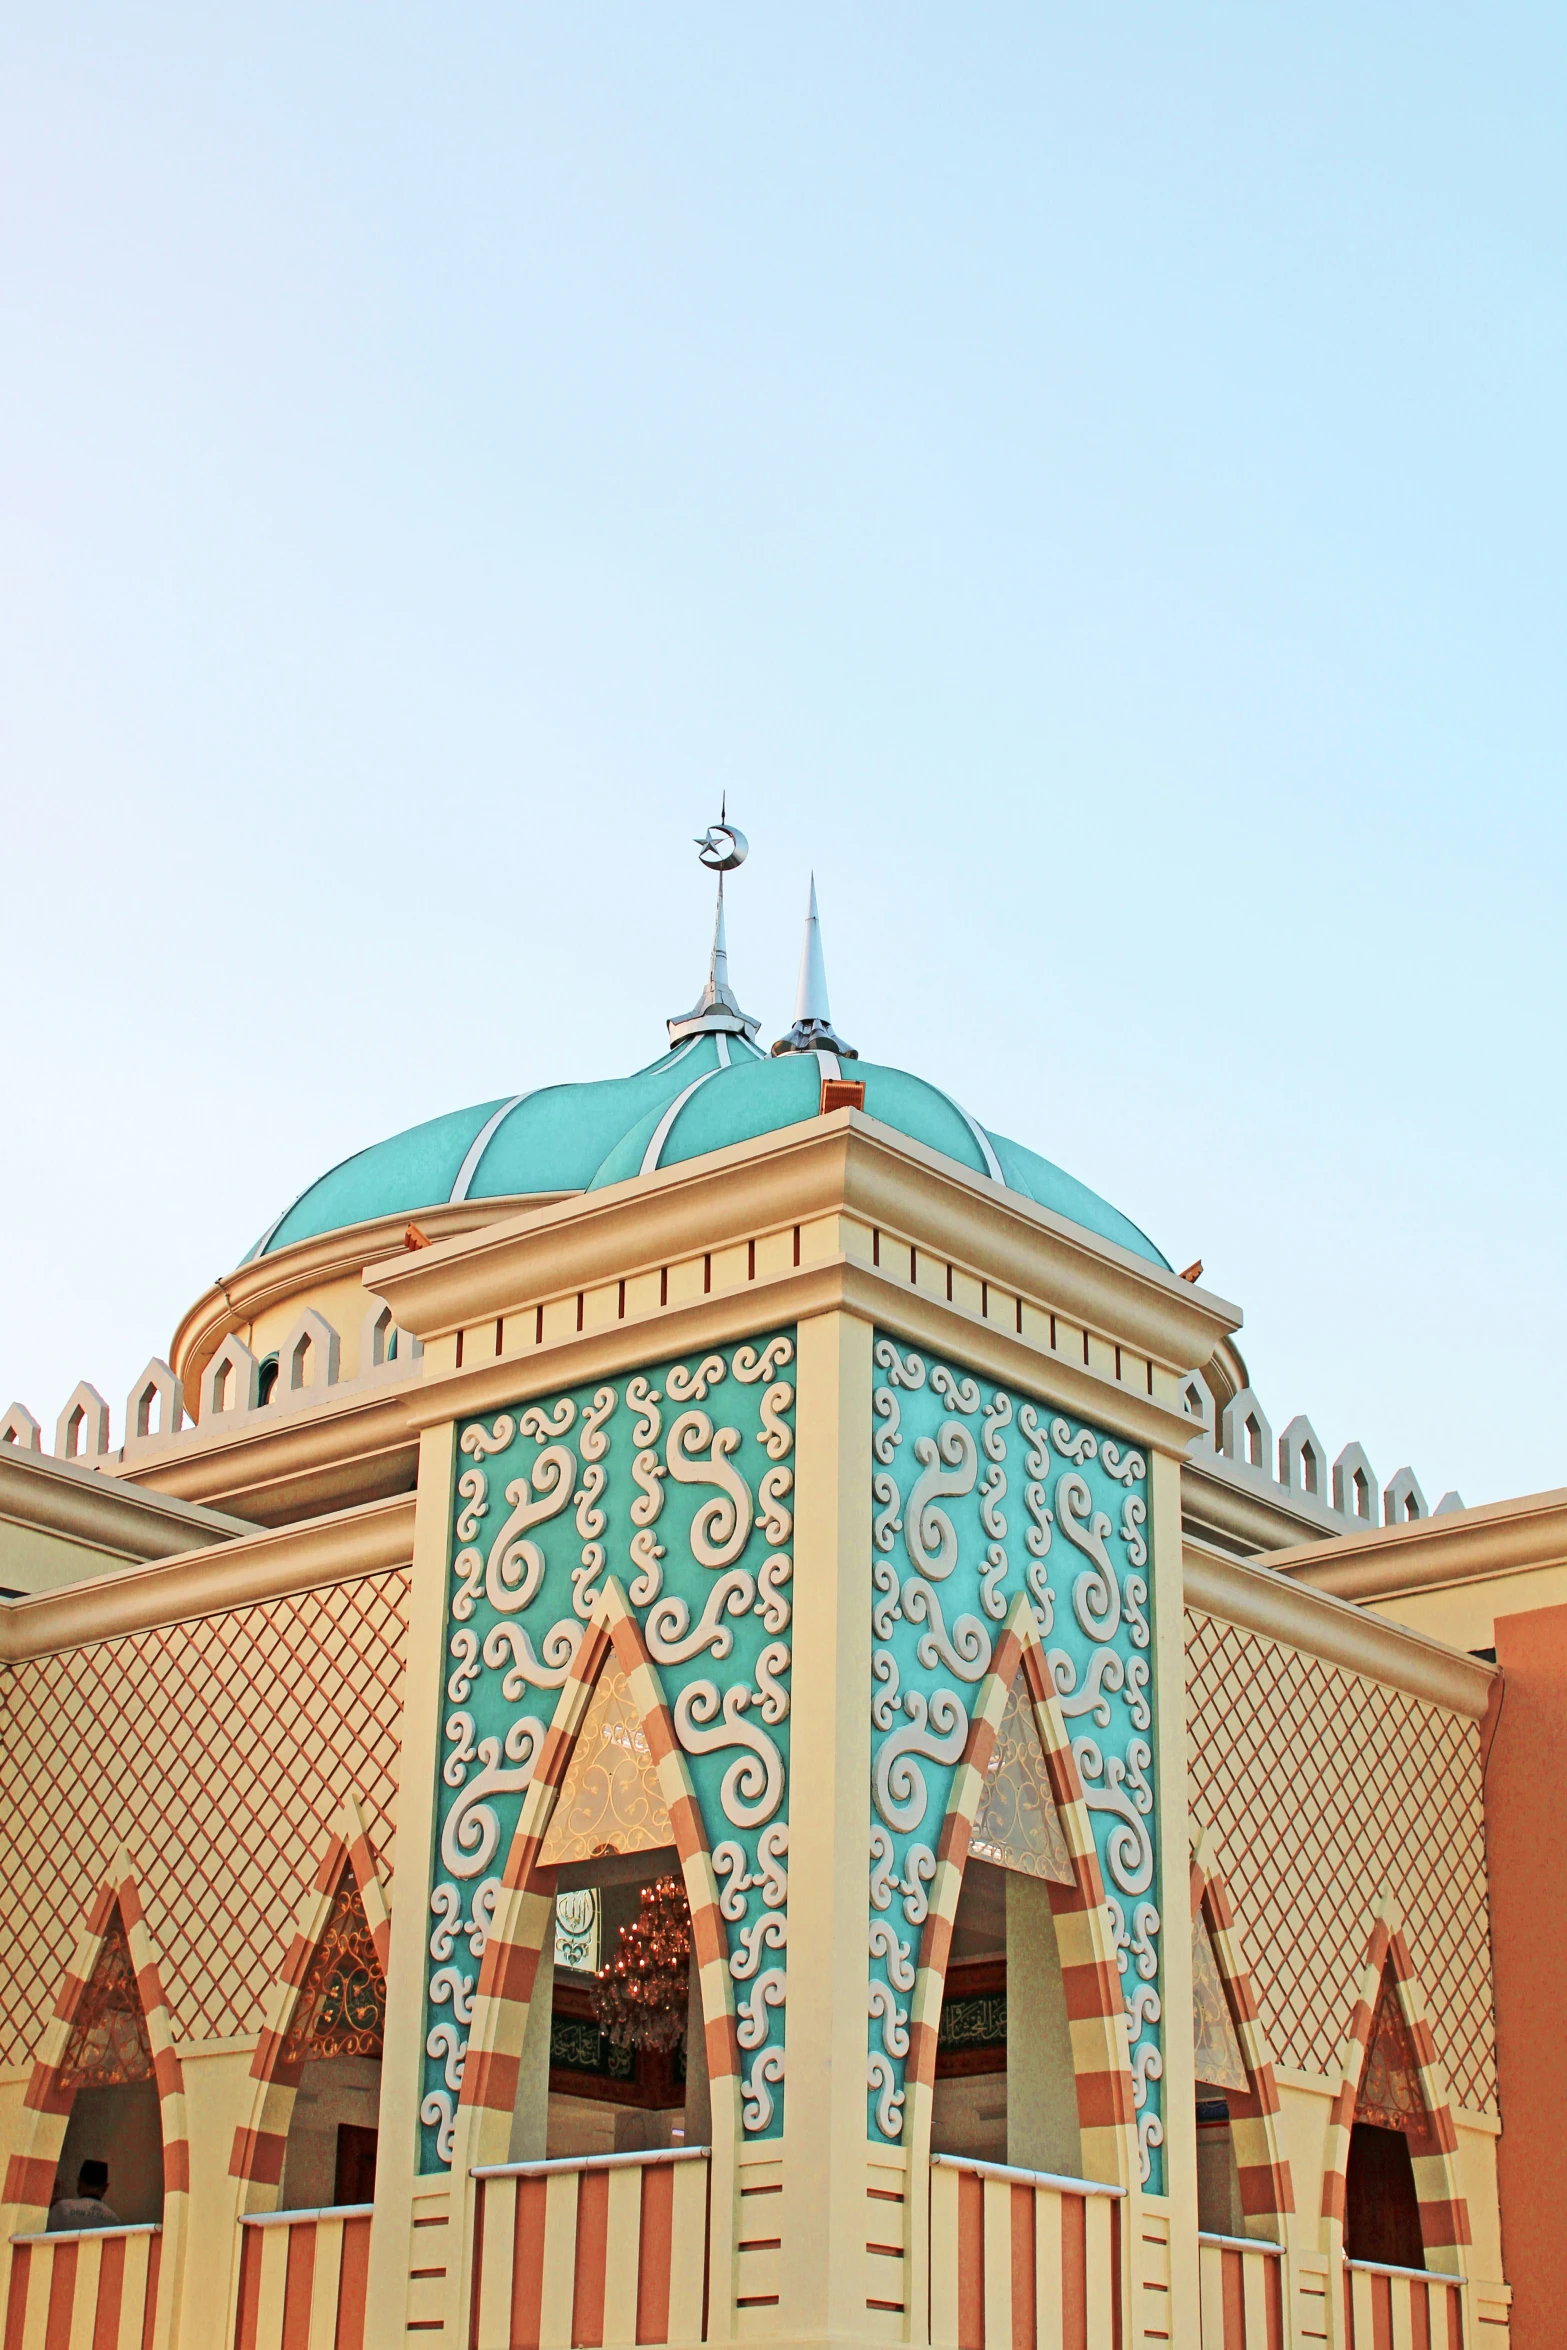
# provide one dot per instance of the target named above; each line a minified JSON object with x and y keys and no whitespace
{"x":813,"y":1031}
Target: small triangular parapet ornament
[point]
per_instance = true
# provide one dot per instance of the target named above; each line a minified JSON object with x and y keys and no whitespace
{"x":82,"y":1431}
{"x":231,"y":1382}
{"x":155,"y":1407}
{"x":20,"y":1430}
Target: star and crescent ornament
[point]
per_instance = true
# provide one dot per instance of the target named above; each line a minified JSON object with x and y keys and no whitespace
{"x":721,"y":848}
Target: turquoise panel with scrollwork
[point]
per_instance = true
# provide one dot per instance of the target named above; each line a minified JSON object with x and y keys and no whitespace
{"x":675,"y":1480}
{"x":980,"y":1493}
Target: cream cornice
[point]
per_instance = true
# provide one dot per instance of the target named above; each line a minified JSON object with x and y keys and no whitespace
{"x":1260,"y":1599}
{"x":1462,"y":1546}
{"x":365,"y":1541}
{"x":1234,"y":1503}
{"x":102,"y":1512}
{"x":840,"y":1285}
{"x":846,"y":1164}
{"x":275,"y":1466}
{"x":331,"y":1256}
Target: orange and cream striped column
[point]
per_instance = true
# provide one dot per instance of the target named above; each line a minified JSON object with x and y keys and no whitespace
{"x":1267,"y":2186}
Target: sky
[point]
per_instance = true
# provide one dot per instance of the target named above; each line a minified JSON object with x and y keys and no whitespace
{"x":1088,"y":483}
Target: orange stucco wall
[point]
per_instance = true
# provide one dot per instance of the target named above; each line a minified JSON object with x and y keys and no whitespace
{"x":1526,"y":1810}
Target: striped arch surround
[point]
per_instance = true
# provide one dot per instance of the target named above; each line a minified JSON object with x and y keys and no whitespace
{"x":1444,"y":2212}
{"x":1267,"y":2191}
{"x":260,"y":2143}
{"x":522,"y":1914}
{"x":1084,"y":1939}
{"x":30,"y":2175}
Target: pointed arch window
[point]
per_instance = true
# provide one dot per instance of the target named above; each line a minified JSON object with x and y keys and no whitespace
{"x":1244,"y":2187}
{"x":108,"y":2074}
{"x":109,"y":2044}
{"x":333,"y":2048}
{"x":1391,"y":2127}
{"x":1005,"y":2088}
{"x":609,"y":1843}
{"x":1390,"y":2182}
{"x":1221,"y":2075}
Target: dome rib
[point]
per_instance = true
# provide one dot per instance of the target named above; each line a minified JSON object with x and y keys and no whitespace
{"x":481,"y":1143}
{"x":987,"y":1149}
{"x":661,"y":1132}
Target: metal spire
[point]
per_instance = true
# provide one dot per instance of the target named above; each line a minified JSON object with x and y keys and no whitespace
{"x":715,"y":1012}
{"x":813,"y":1030}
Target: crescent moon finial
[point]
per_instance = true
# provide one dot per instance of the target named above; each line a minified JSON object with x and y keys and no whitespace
{"x":722,"y":847}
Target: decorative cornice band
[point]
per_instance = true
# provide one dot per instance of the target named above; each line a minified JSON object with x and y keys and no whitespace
{"x":1240,"y":1510}
{"x":839,"y":1286}
{"x":365,"y":1541}
{"x":1261,"y":1600}
{"x":1465,"y":1546}
{"x":273,"y":1466}
{"x":101,"y":1511}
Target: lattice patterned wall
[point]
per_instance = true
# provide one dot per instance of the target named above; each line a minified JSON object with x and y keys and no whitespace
{"x":219,"y":1750}
{"x":1322,"y":1788}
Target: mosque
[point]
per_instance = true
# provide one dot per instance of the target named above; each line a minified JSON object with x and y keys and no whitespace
{"x":702,"y":1708}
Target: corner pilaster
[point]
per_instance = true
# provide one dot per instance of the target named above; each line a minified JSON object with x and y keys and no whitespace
{"x":397,"y":2189}
{"x":1181,"y":2318}
{"x":822,"y":2292}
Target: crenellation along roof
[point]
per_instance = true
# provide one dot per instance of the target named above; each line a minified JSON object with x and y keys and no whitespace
{"x":709,"y":1092}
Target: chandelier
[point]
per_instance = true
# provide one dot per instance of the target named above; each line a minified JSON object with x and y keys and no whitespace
{"x":641,"y":1995}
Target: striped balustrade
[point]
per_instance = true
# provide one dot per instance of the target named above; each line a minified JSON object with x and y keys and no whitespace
{"x":97,"y":2286}
{"x":1407,"y":2307}
{"x":1021,"y":2259}
{"x":1241,"y":2281}
{"x":302,"y":2279}
{"x":585,"y":2253}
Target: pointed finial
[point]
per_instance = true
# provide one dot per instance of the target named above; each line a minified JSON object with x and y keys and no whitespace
{"x":813,"y":1030}
{"x":715,"y":1013}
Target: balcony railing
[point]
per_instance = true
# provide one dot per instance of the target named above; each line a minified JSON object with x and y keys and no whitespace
{"x":1022,"y":2256}
{"x":602,"y":2250}
{"x":92,"y":2285}
{"x":1241,"y":2280}
{"x":302,"y":2278}
{"x":1401,"y":2305}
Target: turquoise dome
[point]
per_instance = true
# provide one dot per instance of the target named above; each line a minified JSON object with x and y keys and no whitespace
{"x":706,"y":1093}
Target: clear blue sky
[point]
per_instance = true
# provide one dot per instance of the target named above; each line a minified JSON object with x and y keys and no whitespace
{"x":1091,"y":482}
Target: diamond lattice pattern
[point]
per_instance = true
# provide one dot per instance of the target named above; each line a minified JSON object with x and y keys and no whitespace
{"x":1322,"y":1788}
{"x":219,"y":1751}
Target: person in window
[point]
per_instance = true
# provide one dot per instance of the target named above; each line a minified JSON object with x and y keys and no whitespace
{"x":87,"y":2207}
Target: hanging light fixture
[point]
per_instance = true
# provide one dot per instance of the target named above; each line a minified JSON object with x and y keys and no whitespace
{"x":641,"y":1995}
